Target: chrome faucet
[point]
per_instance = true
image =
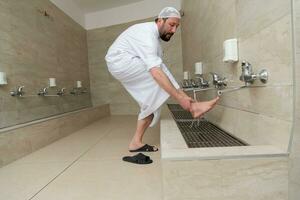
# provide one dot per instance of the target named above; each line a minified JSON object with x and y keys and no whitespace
{"x":249,"y":77}
{"x":187,"y":83}
{"x":218,"y":81}
{"x":247,"y":73}
{"x":61,"y":92}
{"x":19,"y":92}
{"x":84,"y":90}
{"x":200,"y":82}
{"x":74,"y":91}
{"x":43,"y":91}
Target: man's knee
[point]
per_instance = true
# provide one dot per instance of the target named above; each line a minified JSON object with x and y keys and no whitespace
{"x":150,"y":117}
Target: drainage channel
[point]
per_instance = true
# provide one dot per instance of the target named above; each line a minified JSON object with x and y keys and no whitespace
{"x":203,"y":133}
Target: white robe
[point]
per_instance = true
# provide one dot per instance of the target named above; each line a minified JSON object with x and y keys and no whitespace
{"x":129,"y":60}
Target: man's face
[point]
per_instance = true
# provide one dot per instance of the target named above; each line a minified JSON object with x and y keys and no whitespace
{"x":167,"y":28}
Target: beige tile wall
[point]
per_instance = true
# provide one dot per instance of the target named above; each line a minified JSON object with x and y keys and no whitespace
{"x":294,"y":164}
{"x":263,"y":28}
{"x":232,"y":179}
{"x":34,"y":48}
{"x":105,"y":89}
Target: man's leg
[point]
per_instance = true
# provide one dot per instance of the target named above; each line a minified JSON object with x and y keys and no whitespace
{"x":142,"y":126}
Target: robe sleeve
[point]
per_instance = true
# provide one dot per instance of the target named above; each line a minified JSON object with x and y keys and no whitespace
{"x":170,"y":76}
{"x":147,"y":48}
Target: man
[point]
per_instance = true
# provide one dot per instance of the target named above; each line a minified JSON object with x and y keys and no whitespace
{"x":135,"y":59}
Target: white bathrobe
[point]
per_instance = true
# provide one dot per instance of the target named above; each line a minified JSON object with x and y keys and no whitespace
{"x":129,"y":60}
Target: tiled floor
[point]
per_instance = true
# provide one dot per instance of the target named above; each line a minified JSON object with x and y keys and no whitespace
{"x":86,"y":165}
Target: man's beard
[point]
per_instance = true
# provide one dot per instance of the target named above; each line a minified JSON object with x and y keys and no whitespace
{"x":166,"y":36}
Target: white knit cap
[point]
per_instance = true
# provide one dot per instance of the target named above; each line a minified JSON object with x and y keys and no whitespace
{"x":169,"y":12}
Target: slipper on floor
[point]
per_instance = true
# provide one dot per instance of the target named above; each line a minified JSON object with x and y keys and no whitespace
{"x":138,"y":159}
{"x":145,"y":148}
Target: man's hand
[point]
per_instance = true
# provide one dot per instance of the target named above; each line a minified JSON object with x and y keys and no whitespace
{"x":164,"y":82}
{"x":185,"y":102}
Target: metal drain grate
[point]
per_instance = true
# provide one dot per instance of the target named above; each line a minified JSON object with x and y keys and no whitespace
{"x":206,"y":134}
{"x":182,"y":116}
{"x":175,"y":107}
{"x":203,"y":133}
{"x":179,"y":114}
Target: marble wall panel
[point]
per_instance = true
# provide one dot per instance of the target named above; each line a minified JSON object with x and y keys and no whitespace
{"x":35,"y":48}
{"x":226,"y":179}
{"x":294,"y":162}
{"x":255,"y":15}
{"x":263,"y":30}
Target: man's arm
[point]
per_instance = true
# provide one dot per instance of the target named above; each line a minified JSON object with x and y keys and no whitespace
{"x":164,"y":82}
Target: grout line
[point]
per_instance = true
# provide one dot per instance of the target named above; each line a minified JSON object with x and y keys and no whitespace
{"x":294,"y":63}
{"x":37,"y":121}
{"x":72,"y":163}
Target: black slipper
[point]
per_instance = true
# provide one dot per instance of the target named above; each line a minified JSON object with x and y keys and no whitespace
{"x":145,"y":148}
{"x":138,"y":159}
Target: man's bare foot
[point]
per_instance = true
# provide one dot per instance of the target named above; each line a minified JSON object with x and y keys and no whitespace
{"x":199,"y":108}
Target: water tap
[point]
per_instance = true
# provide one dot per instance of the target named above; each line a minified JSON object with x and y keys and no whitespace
{"x":43,"y":91}
{"x":249,"y":77}
{"x":18,"y":92}
{"x":218,"y":81}
{"x":61,"y":92}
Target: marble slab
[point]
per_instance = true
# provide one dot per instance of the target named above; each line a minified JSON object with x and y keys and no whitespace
{"x":173,"y":147}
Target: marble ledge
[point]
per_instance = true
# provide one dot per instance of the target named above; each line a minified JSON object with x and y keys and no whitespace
{"x":173,"y":147}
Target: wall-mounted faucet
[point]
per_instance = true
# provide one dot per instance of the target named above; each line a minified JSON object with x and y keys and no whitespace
{"x":186,"y":84}
{"x":200,"y":82}
{"x":18,"y":92}
{"x":43,"y":91}
{"x":74,"y":91}
{"x":218,"y":81}
{"x":84,"y":90}
{"x":78,"y":91}
{"x":61,"y":92}
{"x":249,"y":77}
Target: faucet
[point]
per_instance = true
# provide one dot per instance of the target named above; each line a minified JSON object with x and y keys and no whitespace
{"x":218,"y":82}
{"x":61,"y":92}
{"x":200,"y":82}
{"x":249,"y":77}
{"x":43,"y":91}
{"x":74,"y":91}
{"x":247,"y":73}
{"x":84,"y":90}
{"x":19,"y":92}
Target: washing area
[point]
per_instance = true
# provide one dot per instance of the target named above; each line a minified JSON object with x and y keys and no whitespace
{"x":201,"y":133}
{"x":65,"y":121}
{"x":240,"y":149}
